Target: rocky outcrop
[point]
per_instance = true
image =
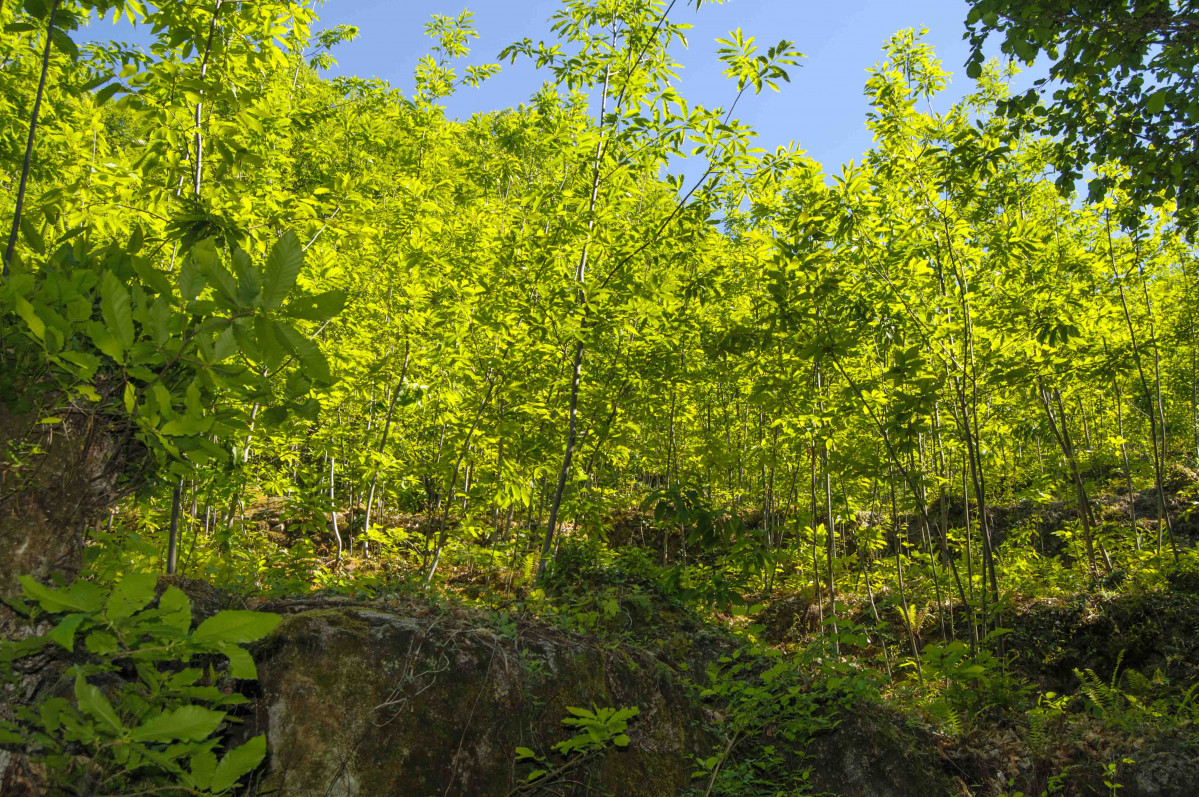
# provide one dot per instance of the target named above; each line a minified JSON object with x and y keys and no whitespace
{"x":873,"y":753}
{"x":361,"y":700}
{"x":54,"y":478}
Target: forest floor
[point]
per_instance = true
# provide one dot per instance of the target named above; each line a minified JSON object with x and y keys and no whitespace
{"x":746,"y":679}
{"x":1085,"y":685}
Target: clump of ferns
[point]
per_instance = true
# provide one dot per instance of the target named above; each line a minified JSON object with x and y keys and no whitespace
{"x":1146,"y":701}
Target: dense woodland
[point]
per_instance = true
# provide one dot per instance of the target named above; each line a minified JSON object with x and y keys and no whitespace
{"x":303,"y":338}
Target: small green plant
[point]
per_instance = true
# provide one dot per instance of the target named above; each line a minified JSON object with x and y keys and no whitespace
{"x":141,"y":719}
{"x":1110,"y":771}
{"x":762,"y":695}
{"x":1043,"y":719}
{"x":599,"y":730}
{"x":1145,"y":702}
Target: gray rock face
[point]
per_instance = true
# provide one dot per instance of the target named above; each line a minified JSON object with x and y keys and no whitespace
{"x":360,"y":701}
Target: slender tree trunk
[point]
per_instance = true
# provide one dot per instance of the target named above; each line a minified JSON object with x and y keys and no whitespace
{"x":576,"y":371}
{"x":198,"y":135}
{"x":830,"y":523}
{"x":1132,"y":496}
{"x":173,"y":534}
{"x":29,"y":142}
{"x":370,"y":500}
{"x":1063,"y":438}
{"x":1158,"y":464}
{"x":333,"y":506}
{"x":444,"y":530}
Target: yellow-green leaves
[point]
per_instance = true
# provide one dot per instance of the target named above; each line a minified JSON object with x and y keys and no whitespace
{"x":238,"y":762}
{"x":115,"y":305}
{"x":283,"y":266}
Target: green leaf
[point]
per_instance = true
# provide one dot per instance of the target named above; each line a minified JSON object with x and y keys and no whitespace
{"x":283,"y":266}
{"x":219,"y":277}
{"x":130,"y":595}
{"x":320,"y":307}
{"x":1156,"y":103}
{"x":249,"y":279}
{"x":186,"y":426}
{"x":312,"y":360}
{"x":87,"y":363}
{"x":159,"y":321}
{"x":203,"y":767}
{"x":32,"y":236}
{"x":82,"y":596}
{"x":115,"y":305}
{"x":191,"y":281}
{"x":189,"y":723}
{"x":176,"y":608}
{"x":237,"y":763}
{"x":268,"y":342}
{"x":35,"y":324}
{"x":224,"y":345}
{"x":64,"y":632}
{"x":93,"y":703}
{"x":64,"y":43}
{"x":241,"y":663}
{"x":105,"y":94}
{"x":101,"y":643}
{"x":106,"y":341}
{"x":235,"y":625}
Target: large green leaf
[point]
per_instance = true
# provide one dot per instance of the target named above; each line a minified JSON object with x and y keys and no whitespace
{"x":176,"y":608}
{"x":93,"y":703}
{"x":64,"y":632}
{"x":131,"y":594}
{"x":320,"y":307}
{"x":203,"y":767}
{"x":238,"y":763}
{"x":220,"y":278}
{"x":312,"y":359}
{"x":188,"y":723}
{"x":235,"y":625}
{"x":269,"y":345}
{"x":283,"y":266}
{"x":191,"y":281}
{"x":82,"y":596}
{"x":241,"y":663}
{"x":117,"y":310}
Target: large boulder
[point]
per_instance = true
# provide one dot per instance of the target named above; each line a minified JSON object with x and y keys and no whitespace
{"x":872,"y":752}
{"x":362,"y":700}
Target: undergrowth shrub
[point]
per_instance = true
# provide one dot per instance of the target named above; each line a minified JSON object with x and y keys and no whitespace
{"x":144,"y":703}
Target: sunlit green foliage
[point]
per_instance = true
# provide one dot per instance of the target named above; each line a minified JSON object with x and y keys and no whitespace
{"x":356,"y":346}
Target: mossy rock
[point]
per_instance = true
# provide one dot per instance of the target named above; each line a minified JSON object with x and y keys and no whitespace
{"x":1143,"y":632}
{"x":364,"y":701}
{"x":872,"y":752}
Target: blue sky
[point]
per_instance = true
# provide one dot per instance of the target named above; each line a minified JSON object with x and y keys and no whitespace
{"x":823,"y":108}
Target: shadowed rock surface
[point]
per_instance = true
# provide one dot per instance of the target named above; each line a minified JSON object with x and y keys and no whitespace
{"x":364,"y":701}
